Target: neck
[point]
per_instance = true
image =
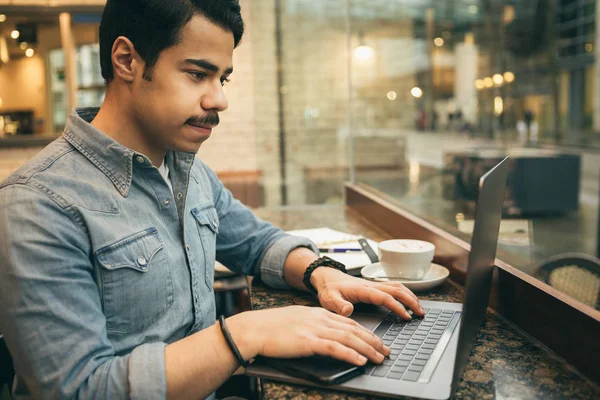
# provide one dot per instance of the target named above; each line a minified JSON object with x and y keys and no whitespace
{"x":116,"y":120}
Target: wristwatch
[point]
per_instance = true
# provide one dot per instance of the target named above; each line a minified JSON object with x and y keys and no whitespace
{"x":320,"y":262}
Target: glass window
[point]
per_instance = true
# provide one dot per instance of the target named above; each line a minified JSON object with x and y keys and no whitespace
{"x":420,"y":98}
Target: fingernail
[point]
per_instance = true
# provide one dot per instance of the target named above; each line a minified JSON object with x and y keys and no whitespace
{"x":362,"y":360}
{"x":421,"y":308}
{"x":380,"y":357}
{"x":387,"y":350}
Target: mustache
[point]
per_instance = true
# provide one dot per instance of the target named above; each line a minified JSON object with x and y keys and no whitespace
{"x":210,"y":118}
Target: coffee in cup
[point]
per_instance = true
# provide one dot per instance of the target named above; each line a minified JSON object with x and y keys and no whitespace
{"x":405,"y":258}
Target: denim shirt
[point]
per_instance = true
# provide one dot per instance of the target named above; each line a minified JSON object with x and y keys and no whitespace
{"x":102,"y":265}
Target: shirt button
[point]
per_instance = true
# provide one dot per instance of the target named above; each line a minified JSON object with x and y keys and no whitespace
{"x":142,"y":260}
{"x":167,"y":202}
{"x":187,"y":247}
{"x":179,"y":196}
{"x":139,"y":159}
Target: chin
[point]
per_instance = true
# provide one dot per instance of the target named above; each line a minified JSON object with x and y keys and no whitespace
{"x":188,"y":147}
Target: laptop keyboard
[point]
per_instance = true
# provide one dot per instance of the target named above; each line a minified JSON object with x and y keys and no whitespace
{"x":417,"y":345}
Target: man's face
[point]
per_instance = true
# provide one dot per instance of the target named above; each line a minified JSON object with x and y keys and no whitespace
{"x":179,"y":106}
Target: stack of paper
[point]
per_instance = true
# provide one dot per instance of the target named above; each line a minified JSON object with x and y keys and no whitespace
{"x":331,"y":239}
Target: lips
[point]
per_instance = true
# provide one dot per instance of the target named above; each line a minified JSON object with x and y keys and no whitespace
{"x":208,"y":127}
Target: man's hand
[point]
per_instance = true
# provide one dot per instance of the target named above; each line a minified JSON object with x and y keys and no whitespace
{"x":338,"y":292}
{"x":299,"y":331}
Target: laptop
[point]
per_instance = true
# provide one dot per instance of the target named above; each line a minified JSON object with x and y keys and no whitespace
{"x":429,"y":354}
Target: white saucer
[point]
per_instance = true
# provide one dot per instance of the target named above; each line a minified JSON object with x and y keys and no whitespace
{"x":434,"y":277}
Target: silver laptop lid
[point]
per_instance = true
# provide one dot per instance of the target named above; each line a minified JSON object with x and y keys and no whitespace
{"x":480,"y":269}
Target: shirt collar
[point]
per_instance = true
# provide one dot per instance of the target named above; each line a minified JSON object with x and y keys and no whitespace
{"x":113,"y":159}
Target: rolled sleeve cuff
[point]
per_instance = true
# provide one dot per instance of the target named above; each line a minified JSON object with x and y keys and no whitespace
{"x":147,"y":376}
{"x":271,"y":267}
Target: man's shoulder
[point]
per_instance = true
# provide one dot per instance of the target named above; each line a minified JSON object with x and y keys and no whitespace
{"x":59,"y":172}
{"x":39,"y":163}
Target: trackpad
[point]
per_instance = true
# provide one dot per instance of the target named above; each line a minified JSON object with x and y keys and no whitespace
{"x":368,"y":321}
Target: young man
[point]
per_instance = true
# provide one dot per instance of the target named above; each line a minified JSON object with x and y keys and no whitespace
{"x":108,"y":237}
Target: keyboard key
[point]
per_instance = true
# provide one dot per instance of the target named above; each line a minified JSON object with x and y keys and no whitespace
{"x":395,"y":375}
{"x":393,"y":356}
{"x":417,"y":336}
{"x":431,"y":341}
{"x":387,"y":362}
{"x":416,"y":342}
{"x":427,"y":346}
{"x":437,"y":331}
{"x":383,"y":327}
{"x":435,"y":311}
{"x":411,"y":376}
{"x":412,"y":347}
{"x":401,"y":341}
{"x":434,"y":336}
{"x":422,"y":356}
{"x":426,"y":310}
{"x":387,"y":342}
{"x":396,"y":346}
{"x":425,"y":351}
{"x":405,"y":357}
{"x":401,"y":363}
{"x":417,"y":368}
{"x":381,"y":371}
{"x":418,"y":361}
{"x":409,"y":352}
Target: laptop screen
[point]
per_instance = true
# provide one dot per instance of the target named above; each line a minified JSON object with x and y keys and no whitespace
{"x":480,"y":269}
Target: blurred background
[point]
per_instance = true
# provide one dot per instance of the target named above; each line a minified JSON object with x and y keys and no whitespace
{"x":412,"y":99}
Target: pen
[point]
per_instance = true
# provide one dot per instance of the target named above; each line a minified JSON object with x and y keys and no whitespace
{"x":338,"y":250}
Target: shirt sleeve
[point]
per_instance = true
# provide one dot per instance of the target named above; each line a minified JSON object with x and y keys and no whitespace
{"x":248,"y":245}
{"x":51,"y":314}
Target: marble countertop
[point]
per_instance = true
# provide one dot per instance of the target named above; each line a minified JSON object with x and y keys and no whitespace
{"x":505,"y":363}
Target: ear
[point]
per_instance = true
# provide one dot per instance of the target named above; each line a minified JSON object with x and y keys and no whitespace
{"x":125,"y":60}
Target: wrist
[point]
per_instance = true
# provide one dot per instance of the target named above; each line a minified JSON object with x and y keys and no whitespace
{"x":240,"y":329}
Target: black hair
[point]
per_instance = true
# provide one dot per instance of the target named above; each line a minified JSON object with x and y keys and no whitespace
{"x":155,"y":25}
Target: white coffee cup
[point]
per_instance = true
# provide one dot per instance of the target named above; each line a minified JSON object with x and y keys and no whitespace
{"x":405,"y":258}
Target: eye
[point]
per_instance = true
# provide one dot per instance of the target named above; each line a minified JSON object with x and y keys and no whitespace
{"x":224,"y":81}
{"x":197,"y":75}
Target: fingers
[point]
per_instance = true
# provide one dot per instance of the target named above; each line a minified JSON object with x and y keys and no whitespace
{"x":337,"y":319}
{"x":381,"y":298}
{"x":366,"y":335}
{"x":352,"y":340}
{"x":331,"y":348}
{"x":404,"y":297}
{"x":400,"y":286}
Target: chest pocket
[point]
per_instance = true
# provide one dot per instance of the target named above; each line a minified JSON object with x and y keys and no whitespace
{"x":137,"y":287}
{"x":207,"y":221}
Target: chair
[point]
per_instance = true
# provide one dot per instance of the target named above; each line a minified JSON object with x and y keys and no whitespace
{"x":575,"y":274}
{"x":7,"y":371}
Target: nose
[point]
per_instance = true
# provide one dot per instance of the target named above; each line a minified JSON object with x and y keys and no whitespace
{"x":215,"y":98}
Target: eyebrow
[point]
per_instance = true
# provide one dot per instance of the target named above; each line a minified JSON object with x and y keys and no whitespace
{"x":207,"y":65}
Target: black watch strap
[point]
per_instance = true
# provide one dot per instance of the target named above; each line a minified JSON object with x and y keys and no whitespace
{"x":320,"y":262}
